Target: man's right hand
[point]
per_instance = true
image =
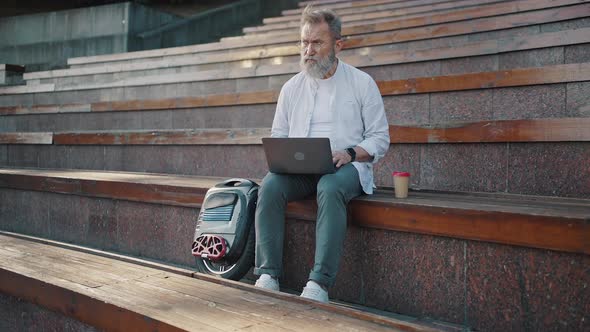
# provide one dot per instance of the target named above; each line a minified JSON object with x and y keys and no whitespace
{"x":340,"y":158}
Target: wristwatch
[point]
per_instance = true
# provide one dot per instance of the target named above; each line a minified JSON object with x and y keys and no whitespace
{"x":352,"y":154}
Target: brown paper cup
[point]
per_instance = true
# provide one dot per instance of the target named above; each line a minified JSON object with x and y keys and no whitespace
{"x":401,"y":182}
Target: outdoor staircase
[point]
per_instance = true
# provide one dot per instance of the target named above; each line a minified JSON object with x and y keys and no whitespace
{"x":488,"y":108}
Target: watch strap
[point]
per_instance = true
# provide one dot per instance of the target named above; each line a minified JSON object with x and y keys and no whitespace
{"x":352,"y":154}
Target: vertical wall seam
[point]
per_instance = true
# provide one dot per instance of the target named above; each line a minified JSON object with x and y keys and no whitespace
{"x":465,"y":302}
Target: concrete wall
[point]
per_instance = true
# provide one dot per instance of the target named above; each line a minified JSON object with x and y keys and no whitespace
{"x":45,"y":41}
{"x":211,"y":25}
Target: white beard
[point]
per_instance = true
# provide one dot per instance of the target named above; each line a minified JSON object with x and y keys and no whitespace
{"x":318,"y":68}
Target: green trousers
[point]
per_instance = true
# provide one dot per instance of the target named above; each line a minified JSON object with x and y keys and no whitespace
{"x":334,"y":191}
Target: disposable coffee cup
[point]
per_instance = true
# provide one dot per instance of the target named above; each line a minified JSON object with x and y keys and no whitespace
{"x":401,"y":181}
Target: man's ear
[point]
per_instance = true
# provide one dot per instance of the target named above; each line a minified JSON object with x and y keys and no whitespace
{"x":339,"y":45}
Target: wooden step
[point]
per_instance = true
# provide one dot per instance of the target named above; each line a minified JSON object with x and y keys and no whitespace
{"x":111,"y":294}
{"x":345,"y":13}
{"x":384,"y":58}
{"x":492,"y":131}
{"x":26,"y":138}
{"x":436,"y":31}
{"x":351,"y":4}
{"x":465,"y":273}
{"x":474,"y":216}
{"x":568,"y":73}
{"x":169,"y":61}
{"x":383,"y":12}
{"x":536,"y":130}
{"x":238,"y":59}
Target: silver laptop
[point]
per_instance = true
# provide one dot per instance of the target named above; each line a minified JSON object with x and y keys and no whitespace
{"x":298,"y":155}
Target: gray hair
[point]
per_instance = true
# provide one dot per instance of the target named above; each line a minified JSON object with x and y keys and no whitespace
{"x":309,"y":15}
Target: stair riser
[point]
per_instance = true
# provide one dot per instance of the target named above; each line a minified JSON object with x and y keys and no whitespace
{"x":479,"y":284}
{"x":493,"y":62}
{"x":492,"y":167}
{"x":419,"y":44}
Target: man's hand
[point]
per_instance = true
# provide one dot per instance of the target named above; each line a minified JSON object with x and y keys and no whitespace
{"x":340,"y":158}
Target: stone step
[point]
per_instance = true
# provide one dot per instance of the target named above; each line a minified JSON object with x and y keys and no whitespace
{"x":562,"y":82}
{"x":525,"y":50}
{"x":451,"y":233}
{"x":351,"y":5}
{"x":272,"y":56}
{"x":562,"y":215}
{"x":239,"y":59}
{"x":380,"y":14}
{"x":209,"y":58}
{"x":112,"y":292}
{"x":347,"y":14}
{"x":499,"y":151}
{"x":491,"y":131}
{"x":290,"y":39}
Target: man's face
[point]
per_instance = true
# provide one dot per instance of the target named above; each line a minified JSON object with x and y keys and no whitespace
{"x":319,"y":56}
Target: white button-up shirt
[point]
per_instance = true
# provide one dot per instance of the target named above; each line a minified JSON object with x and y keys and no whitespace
{"x":358,"y":116}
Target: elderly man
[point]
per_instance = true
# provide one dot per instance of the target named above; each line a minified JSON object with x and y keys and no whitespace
{"x":328,"y":98}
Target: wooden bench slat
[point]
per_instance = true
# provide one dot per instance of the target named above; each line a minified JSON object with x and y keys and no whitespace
{"x":503,"y":22}
{"x":502,"y":218}
{"x":535,"y":231}
{"x":533,"y":130}
{"x":485,"y":80}
{"x":26,"y":138}
{"x":191,"y":136}
{"x":496,"y":79}
{"x":83,"y":307}
{"x":342,"y":12}
{"x":158,"y":300}
{"x":172,"y":190}
{"x":247,"y":54}
{"x":386,"y":12}
{"x":46,"y":109}
{"x":551,"y":39}
{"x":460,"y":28}
{"x":350,"y":4}
{"x":490,"y":131}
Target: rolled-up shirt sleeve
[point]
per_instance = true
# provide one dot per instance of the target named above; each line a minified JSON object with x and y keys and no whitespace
{"x":280,"y":124}
{"x":376,"y":134}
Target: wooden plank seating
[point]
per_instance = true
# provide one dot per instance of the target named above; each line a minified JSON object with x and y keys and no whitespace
{"x":234,"y":56}
{"x":320,"y":2}
{"x":386,"y":13}
{"x":26,"y":138}
{"x":345,"y":12}
{"x":109,"y":293}
{"x":375,"y":24}
{"x":518,"y":19}
{"x":567,"y":73}
{"x":534,"y":130}
{"x":383,"y":58}
{"x":239,"y":59}
{"x":347,"y":4}
{"x":488,"y":110}
{"x":501,"y":218}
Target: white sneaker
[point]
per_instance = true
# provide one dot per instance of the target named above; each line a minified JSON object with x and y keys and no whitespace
{"x":267,"y":282}
{"x":315,"y":292}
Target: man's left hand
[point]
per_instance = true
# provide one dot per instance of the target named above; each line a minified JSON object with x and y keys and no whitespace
{"x":340,"y":158}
